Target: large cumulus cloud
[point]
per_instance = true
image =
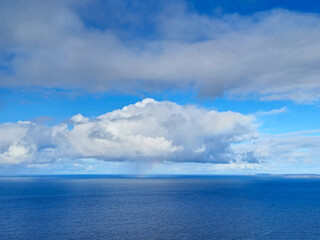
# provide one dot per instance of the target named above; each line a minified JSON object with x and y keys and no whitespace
{"x":144,"y":131}
{"x":272,"y":55}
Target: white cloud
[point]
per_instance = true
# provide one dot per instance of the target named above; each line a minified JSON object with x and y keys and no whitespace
{"x":145,"y":131}
{"x":79,"y":119}
{"x":273,"y":55}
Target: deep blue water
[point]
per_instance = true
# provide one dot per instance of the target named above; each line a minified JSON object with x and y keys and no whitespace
{"x":196,"y":208}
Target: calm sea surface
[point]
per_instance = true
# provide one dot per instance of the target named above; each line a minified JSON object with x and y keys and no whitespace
{"x":196,"y":208}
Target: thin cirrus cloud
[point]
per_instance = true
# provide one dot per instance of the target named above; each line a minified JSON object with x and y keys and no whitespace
{"x":145,"y":131}
{"x":272,"y":55}
{"x":272,"y":112}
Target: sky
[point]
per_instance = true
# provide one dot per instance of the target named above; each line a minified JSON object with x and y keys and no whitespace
{"x":159,"y":87}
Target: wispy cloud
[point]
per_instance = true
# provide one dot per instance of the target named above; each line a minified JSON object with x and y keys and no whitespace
{"x":290,"y":152}
{"x":272,"y":112}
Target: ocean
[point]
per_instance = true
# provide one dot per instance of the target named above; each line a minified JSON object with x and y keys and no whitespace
{"x":184,"y":207}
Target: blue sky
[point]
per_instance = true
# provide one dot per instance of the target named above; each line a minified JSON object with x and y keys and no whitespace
{"x":159,"y":87}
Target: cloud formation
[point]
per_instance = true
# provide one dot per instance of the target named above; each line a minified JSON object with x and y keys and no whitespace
{"x":159,"y":132}
{"x":271,"y":55}
{"x":144,"y":131}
